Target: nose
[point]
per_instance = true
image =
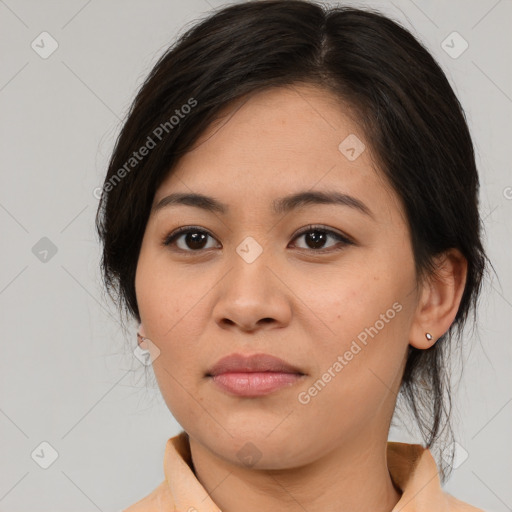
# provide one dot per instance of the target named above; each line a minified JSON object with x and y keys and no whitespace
{"x":253,"y":296}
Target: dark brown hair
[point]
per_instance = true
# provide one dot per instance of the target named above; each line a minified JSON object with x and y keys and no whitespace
{"x":404,"y":104}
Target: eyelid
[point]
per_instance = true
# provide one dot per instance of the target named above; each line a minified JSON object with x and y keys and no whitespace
{"x":170,"y":237}
{"x":330,"y":231}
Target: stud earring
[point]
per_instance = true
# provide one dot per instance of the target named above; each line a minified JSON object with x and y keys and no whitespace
{"x":428,"y":336}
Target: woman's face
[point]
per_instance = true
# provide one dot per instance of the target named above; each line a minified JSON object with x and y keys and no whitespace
{"x":250,"y":279}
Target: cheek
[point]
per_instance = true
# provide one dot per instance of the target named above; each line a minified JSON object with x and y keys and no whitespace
{"x":166,"y":297}
{"x":353,"y":304}
{"x":182,"y":397}
{"x":357,"y":379}
{"x":365,"y":316}
{"x":171,"y":312}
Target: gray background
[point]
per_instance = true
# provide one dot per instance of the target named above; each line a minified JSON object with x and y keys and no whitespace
{"x":67,"y":373}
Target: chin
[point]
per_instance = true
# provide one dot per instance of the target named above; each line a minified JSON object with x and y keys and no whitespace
{"x":259,"y":445}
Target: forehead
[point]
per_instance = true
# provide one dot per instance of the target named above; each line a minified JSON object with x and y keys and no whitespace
{"x":279,"y":126}
{"x":279,"y":141}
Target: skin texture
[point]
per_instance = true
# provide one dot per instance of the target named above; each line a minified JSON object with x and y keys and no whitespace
{"x":296,"y":302}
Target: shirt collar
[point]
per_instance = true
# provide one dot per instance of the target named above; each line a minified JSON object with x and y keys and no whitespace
{"x":411,"y":466}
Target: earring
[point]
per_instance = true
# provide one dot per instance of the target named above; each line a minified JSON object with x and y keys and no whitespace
{"x":428,"y":336}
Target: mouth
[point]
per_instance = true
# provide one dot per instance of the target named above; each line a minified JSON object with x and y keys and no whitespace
{"x":253,"y":376}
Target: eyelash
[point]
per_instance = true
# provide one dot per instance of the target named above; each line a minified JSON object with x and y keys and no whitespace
{"x":171,"y":238}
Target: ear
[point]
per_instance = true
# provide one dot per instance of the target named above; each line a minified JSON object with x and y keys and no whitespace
{"x":141,"y":331}
{"x":440,"y":297}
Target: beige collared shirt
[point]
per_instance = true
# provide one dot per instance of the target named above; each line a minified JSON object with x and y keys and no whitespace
{"x":412,"y":468}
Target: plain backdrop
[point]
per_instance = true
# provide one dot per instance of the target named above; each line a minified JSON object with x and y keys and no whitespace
{"x":68,"y":376}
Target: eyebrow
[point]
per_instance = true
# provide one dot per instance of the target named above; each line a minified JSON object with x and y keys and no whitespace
{"x":279,"y":206}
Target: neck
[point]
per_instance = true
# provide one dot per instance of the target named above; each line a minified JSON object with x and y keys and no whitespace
{"x":352,"y":477}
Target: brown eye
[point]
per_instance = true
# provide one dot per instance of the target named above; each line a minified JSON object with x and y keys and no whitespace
{"x":189,"y":239}
{"x":316,"y":238}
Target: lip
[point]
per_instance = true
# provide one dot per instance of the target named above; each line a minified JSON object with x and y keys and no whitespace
{"x":253,"y":363}
{"x":254,"y":375}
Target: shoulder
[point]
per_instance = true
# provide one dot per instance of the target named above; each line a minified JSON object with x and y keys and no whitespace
{"x":414,"y":471}
{"x":156,"y":501}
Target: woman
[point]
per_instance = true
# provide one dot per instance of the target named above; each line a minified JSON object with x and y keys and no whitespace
{"x":291,"y":215}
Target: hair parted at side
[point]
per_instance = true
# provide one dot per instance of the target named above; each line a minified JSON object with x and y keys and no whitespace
{"x":405,"y":107}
